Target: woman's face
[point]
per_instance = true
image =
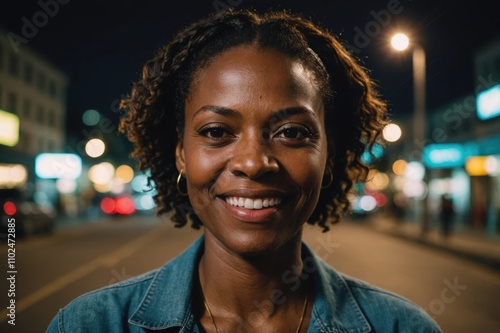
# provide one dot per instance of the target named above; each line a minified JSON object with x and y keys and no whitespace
{"x":254,"y":148}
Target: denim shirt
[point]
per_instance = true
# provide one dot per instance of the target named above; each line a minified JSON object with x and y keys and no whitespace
{"x":162,"y":300}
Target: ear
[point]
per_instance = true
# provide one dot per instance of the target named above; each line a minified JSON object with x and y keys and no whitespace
{"x":180,"y":158}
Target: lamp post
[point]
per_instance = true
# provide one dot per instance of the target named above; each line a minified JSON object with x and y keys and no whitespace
{"x":401,"y":42}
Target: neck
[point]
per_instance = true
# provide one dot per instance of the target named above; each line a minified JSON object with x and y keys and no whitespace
{"x":235,"y":286}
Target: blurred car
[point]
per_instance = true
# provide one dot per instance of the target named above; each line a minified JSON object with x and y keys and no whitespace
{"x":30,"y":217}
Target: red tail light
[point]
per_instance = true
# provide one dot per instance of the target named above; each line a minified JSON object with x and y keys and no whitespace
{"x":125,"y":205}
{"x":9,"y":208}
{"x":108,"y":205}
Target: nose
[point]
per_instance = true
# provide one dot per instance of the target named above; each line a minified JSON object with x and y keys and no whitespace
{"x":252,"y":158}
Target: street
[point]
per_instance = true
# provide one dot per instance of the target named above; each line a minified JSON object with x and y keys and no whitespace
{"x":52,"y":270}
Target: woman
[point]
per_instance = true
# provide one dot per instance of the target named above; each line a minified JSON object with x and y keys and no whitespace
{"x":250,"y":126}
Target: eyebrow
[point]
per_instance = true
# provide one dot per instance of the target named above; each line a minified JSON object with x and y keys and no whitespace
{"x":223,"y":111}
{"x":281,"y":113}
{"x":292,"y":111}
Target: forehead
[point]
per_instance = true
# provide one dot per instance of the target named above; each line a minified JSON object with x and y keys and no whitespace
{"x":249,"y":72}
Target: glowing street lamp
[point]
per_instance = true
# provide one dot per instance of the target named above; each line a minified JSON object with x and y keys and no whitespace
{"x":401,"y":42}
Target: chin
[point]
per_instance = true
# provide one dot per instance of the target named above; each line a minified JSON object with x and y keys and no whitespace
{"x":255,"y":244}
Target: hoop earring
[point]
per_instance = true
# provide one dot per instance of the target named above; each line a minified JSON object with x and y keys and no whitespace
{"x":329,"y":182}
{"x":178,"y":187}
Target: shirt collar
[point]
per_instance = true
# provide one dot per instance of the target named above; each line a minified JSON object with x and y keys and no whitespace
{"x":335,"y":308}
{"x":167,"y":302}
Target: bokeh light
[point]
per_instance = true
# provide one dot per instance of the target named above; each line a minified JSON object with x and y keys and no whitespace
{"x":101,"y":173}
{"x":124,"y":173}
{"x":399,"y":167}
{"x":95,"y":147}
{"x":108,"y":205}
{"x":376,"y":152}
{"x":481,"y":165}
{"x":91,"y":117}
{"x":415,"y":171}
{"x":9,"y":208}
{"x":491,"y":165}
{"x":13,"y":175}
{"x":144,"y":202}
{"x":125,"y":205}
{"x":415,"y":189}
{"x":367,"y":203}
{"x":381,"y":199}
{"x":377,"y":181}
{"x":140,"y":183}
{"x":391,"y":133}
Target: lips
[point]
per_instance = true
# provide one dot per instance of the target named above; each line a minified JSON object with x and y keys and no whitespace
{"x":250,"y":203}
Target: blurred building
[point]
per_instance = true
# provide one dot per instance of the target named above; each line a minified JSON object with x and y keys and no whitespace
{"x":32,"y":93}
{"x":461,"y":152}
{"x":485,"y":170}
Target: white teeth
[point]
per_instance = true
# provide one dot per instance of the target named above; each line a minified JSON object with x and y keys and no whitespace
{"x":253,"y":203}
{"x":249,"y":203}
{"x":257,"y":204}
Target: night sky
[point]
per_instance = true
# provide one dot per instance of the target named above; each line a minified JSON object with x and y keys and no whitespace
{"x":101,"y":45}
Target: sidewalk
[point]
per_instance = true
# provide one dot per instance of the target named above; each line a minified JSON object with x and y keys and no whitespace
{"x":477,"y":247}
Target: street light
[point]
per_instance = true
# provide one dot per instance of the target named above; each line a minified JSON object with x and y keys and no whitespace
{"x":401,"y":42}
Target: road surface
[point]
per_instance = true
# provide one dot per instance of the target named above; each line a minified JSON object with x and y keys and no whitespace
{"x":52,"y":270}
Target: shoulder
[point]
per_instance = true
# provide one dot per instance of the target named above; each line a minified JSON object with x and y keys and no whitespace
{"x":153,"y":300}
{"x":387,"y":311}
{"x":347,"y":304}
{"x":113,"y":304}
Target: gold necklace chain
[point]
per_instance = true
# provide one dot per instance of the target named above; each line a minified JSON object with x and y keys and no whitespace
{"x":298,"y":328}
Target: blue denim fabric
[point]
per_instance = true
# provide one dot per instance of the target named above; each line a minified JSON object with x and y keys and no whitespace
{"x":161,"y":300}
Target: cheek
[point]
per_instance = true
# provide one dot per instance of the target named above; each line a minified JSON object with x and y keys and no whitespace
{"x":306,"y":169}
{"x":203,"y":166}
{"x":199,"y":176}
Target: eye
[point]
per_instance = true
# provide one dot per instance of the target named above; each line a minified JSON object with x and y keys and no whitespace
{"x":294,"y":132}
{"x":215,"y":133}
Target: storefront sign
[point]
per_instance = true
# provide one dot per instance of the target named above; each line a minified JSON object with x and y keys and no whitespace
{"x":488,"y":103}
{"x":9,"y":129}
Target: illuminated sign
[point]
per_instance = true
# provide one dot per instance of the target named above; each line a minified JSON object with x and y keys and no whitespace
{"x":13,"y":175}
{"x":9,"y":129}
{"x":55,"y":166}
{"x":449,"y":155}
{"x":488,"y":103}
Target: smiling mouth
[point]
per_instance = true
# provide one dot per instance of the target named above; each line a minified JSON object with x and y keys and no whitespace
{"x":249,"y":203}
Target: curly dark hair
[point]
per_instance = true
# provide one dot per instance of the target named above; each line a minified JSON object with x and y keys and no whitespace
{"x":354,"y":112}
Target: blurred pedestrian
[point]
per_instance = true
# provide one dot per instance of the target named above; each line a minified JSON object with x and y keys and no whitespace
{"x":446,"y":215}
{"x":250,"y":125}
